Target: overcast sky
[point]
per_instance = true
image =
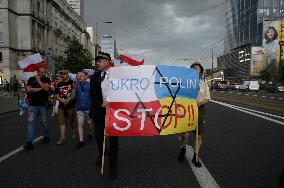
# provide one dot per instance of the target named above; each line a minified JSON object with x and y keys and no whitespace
{"x":162,"y":30}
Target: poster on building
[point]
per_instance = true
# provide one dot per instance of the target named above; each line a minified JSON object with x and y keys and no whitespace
{"x":268,"y":55}
{"x":258,"y":60}
{"x":151,"y":100}
{"x":272,"y":34}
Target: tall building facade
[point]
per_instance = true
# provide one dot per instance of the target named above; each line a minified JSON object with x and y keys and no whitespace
{"x":94,"y":42}
{"x":78,"y":6}
{"x":243,"y":29}
{"x":108,"y":45}
{"x":37,"y":26}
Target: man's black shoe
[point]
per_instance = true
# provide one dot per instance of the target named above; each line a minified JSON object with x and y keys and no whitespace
{"x":28,"y":146}
{"x":113,"y":173}
{"x":89,"y":138}
{"x":79,"y":145}
{"x":45,"y":140}
{"x":181,"y":155}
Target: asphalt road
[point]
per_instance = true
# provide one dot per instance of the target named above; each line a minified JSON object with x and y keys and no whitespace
{"x":239,"y":150}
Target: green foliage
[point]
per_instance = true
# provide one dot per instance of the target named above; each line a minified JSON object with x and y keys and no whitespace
{"x":209,"y":71}
{"x":76,"y":57}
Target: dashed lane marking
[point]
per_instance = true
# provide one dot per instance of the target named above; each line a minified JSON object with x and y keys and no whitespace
{"x":263,"y":96}
{"x":17,"y":150}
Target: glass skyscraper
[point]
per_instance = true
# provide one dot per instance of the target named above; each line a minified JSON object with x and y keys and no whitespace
{"x":243,"y":29}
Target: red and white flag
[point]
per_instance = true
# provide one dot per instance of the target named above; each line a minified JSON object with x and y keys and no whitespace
{"x":130,"y":59}
{"x":31,"y":63}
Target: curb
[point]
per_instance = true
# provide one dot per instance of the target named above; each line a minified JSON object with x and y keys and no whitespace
{"x":8,"y":112}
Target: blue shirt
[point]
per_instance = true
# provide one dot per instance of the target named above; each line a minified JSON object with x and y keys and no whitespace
{"x":83,"y":99}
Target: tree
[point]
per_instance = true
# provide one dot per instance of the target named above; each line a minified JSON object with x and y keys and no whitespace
{"x":76,"y":57}
{"x":265,"y":74}
{"x":209,"y":72}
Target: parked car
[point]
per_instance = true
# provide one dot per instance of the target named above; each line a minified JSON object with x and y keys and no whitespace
{"x":235,"y":86}
{"x":275,"y":87}
{"x":249,"y":86}
{"x":222,"y":85}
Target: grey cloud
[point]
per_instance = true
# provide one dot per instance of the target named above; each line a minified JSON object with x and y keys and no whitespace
{"x":132,"y":20}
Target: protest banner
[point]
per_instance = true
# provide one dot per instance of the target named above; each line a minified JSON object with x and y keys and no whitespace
{"x":151,"y":100}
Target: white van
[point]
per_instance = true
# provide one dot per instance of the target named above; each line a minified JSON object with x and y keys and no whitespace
{"x":249,"y":86}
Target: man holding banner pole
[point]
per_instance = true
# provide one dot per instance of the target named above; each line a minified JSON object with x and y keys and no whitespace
{"x":202,"y":99}
{"x":98,"y":93}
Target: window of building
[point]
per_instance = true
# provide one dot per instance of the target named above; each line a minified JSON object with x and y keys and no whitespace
{"x":1,"y":58}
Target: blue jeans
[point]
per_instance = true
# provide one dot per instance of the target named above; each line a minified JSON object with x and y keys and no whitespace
{"x":33,"y":112}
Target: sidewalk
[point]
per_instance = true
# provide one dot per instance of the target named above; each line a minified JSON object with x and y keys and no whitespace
{"x":8,"y":104}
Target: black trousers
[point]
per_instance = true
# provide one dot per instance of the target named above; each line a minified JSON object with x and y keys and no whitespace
{"x":99,"y":124}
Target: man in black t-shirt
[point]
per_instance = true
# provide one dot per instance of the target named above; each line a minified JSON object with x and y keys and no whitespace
{"x":38,"y":88}
{"x":65,"y":94}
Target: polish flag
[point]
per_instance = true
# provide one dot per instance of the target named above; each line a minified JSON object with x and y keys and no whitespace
{"x":31,"y":63}
{"x":133,"y":59}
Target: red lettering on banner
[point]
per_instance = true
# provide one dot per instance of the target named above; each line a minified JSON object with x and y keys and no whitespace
{"x":171,"y":116}
{"x":177,"y":113}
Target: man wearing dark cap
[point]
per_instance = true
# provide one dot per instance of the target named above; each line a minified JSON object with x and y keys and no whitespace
{"x":98,"y":93}
{"x":202,"y":99}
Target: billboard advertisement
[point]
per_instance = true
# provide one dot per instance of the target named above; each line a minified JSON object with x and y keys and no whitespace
{"x":258,"y":60}
{"x":268,"y":55}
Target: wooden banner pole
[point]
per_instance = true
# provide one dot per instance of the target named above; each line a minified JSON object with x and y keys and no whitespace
{"x":103,"y":156}
{"x":196,"y":144}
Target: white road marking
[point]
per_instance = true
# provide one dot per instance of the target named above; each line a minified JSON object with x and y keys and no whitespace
{"x":248,"y":112}
{"x":247,"y":94}
{"x":239,"y":93}
{"x":272,"y":97}
{"x":231,"y":92}
{"x":17,"y":150}
{"x":280,"y":98}
{"x":263,"y":96}
{"x":203,"y":176}
{"x":256,"y":111}
{"x":255,"y":95}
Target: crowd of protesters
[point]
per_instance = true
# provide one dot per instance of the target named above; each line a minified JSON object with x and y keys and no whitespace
{"x":87,"y":100}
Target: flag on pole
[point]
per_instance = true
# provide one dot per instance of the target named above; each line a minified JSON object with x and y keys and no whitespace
{"x":31,"y":63}
{"x":130,"y":59}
